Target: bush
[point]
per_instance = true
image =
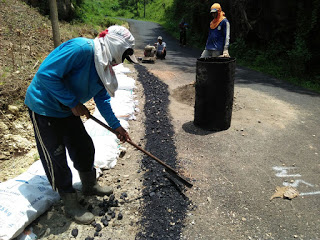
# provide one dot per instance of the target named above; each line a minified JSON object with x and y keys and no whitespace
{"x":299,"y":57}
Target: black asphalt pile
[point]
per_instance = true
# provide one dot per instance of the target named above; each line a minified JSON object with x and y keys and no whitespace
{"x":164,"y":206}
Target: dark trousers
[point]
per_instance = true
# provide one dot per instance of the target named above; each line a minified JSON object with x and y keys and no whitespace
{"x":53,"y":137}
{"x":183,"y":37}
{"x":161,"y":55}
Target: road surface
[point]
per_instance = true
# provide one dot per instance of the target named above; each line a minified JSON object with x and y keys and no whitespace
{"x":273,"y":141}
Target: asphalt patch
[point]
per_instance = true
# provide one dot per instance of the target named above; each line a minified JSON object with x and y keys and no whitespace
{"x":164,"y":207}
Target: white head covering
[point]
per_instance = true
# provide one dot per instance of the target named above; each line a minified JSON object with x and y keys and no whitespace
{"x":108,"y":50}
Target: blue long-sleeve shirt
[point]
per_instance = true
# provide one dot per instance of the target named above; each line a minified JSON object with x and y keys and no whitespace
{"x":218,"y":38}
{"x":66,"y":77}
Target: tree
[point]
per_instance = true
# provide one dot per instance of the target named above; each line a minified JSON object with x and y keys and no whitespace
{"x":55,"y":23}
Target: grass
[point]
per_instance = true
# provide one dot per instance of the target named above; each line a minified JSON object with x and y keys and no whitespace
{"x":100,"y":13}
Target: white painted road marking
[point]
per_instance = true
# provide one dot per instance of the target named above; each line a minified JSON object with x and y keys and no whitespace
{"x":283,"y":172}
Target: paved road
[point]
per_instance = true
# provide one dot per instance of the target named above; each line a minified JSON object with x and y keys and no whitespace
{"x":274,"y":140}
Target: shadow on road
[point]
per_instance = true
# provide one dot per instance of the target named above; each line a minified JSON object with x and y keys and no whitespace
{"x":246,"y":76}
{"x":164,"y":206}
{"x":189,"y":127}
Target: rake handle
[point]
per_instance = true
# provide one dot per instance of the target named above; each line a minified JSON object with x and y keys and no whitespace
{"x":167,"y":167}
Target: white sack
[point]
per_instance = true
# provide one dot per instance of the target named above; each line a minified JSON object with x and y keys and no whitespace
{"x":123,"y":105}
{"x":125,"y":83}
{"x":120,"y":68}
{"x":106,"y":143}
{"x":23,"y":199}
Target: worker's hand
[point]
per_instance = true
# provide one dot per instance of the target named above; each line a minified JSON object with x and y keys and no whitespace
{"x":122,"y":134}
{"x":225,"y":54}
{"x":80,"y":110}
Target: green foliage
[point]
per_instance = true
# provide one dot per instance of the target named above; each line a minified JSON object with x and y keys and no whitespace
{"x":151,"y":10}
{"x":100,"y":13}
{"x":195,"y":13}
{"x":291,"y":62}
{"x":275,"y":60}
{"x":239,"y":47}
{"x":299,"y":56}
{"x":77,"y":2}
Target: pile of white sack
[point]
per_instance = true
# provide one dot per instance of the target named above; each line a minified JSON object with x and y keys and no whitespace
{"x":27,"y":196}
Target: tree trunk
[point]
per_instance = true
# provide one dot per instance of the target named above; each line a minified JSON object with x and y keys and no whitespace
{"x":55,"y":23}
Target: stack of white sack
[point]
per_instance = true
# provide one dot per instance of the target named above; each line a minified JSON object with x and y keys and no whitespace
{"x":26,"y":197}
{"x":107,"y":146}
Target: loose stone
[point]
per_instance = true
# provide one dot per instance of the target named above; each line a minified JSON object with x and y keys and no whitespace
{"x":74,"y":232}
{"x":112,"y":197}
{"x":105,"y":223}
{"x":101,"y":213}
{"x":98,"y":227}
{"x":94,"y":224}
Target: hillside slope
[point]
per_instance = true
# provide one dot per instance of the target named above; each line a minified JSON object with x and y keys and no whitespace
{"x":26,"y":39}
